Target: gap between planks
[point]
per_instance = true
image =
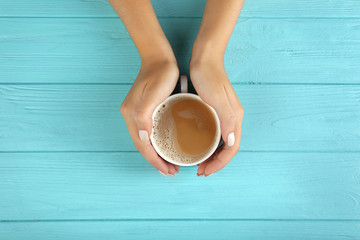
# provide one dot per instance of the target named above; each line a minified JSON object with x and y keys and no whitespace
{"x":160,"y":17}
{"x":241,"y":151}
{"x":181,"y":220}
{"x":235,"y":84}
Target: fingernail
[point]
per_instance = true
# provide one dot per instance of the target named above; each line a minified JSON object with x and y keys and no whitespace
{"x":231,"y":139}
{"x":209,"y":175}
{"x":144,"y":136}
{"x":163,"y":173}
{"x":199,"y":175}
{"x":171,"y":175}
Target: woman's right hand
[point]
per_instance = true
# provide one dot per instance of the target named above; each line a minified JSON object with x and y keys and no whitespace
{"x":154,"y":83}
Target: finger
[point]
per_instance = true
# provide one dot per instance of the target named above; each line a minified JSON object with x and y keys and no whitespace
{"x":143,"y":120}
{"x":143,"y":125}
{"x":226,"y":114}
{"x":201,"y":170}
{"x":172,"y":169}
{"x":177,"y":167}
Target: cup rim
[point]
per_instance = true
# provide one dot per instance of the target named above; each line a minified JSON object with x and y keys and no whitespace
{"x":217,"y":135}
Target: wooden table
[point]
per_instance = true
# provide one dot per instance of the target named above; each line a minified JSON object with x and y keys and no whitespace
{"x":69,"y":170}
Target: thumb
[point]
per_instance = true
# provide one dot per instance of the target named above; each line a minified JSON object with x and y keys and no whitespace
{"x":144,"y":112}
{"x":144,"y":126}
{"x":143,"y":120}
{"x":227,"y":118}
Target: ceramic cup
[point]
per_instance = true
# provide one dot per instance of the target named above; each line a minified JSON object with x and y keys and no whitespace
{"x":184,"y":94}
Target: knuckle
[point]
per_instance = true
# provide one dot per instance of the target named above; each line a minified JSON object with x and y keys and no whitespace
{"x":241,"y":111}
{"x":237,"y":148}
{"x":172,"y":170}
{"x":228,"y":118}
{"x":124,"y":108}
{"x":138,"y":146}
{"x":141,"y":116}
{"x":231,"y":117}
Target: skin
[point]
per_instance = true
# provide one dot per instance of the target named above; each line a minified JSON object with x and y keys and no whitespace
{"x":159,"y":73}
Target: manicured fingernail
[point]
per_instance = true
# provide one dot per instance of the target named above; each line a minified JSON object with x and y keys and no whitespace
{"x":144,"y":136}
{"x":199,"y":175}
{"x":171,"y":175}
{"x":209,"y":175}
{"x":231,"y":139}
{"x":163,"y":173}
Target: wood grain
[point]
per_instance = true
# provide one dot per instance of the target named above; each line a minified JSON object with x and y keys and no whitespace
{"x":185,"y":8}
{"x":87,"y":118}
{"x":69,"y":170}
{"x":46,"y":186}
{"x":321,"y":51}
{"x":183,"y":230}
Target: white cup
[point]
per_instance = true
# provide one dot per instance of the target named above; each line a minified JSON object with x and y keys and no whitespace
{"x":184,"y":93}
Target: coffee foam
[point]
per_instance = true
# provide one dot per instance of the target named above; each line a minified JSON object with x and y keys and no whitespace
{"x":165,"y":138}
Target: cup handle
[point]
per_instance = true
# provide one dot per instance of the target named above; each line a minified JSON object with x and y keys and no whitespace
{"x":183,"y":84}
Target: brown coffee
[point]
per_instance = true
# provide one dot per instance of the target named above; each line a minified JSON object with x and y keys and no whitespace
{"x":184,"y":129}
{"x":195,"y":126}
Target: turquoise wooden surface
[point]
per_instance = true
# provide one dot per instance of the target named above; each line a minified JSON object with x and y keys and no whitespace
{"x":187,"y":8}
{"x":87,"y":117}
{"x":200,"y":229}
{"x":68,"y":169}
{"x":89,"y":50}
{"x":255,"y":185}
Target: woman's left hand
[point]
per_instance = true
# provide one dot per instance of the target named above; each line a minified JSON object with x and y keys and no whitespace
{"x":213,"y":86}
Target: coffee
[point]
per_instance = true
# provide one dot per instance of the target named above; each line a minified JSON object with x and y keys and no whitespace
{"x":185,"y":129}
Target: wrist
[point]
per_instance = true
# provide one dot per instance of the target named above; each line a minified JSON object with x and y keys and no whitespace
{"x":207,"y":70}
{"x":160,"y":64}
{"x":207,"y":52}
{"x":159,"y":61}
{"x":206,"y":58}
{"x":160,"y":51}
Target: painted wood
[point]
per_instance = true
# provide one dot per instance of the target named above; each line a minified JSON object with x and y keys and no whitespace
{"x":68,"y":169}
{"x":185,"y":8}
{"x":270,"y":185}
{"x":275,"y":230}
{"x":87,"y":118}
{"x":321,"y":51}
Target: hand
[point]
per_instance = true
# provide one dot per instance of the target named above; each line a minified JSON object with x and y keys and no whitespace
{"x":213,"y":86}
{"x":154,"y":83}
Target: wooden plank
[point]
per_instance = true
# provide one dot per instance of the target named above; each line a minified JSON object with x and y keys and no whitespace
{"x":185,"y":8}
{"x":272,"y":230}
{"x":292,"y":51}
{"x":87,"y":118}
{"x":41,"y":186}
